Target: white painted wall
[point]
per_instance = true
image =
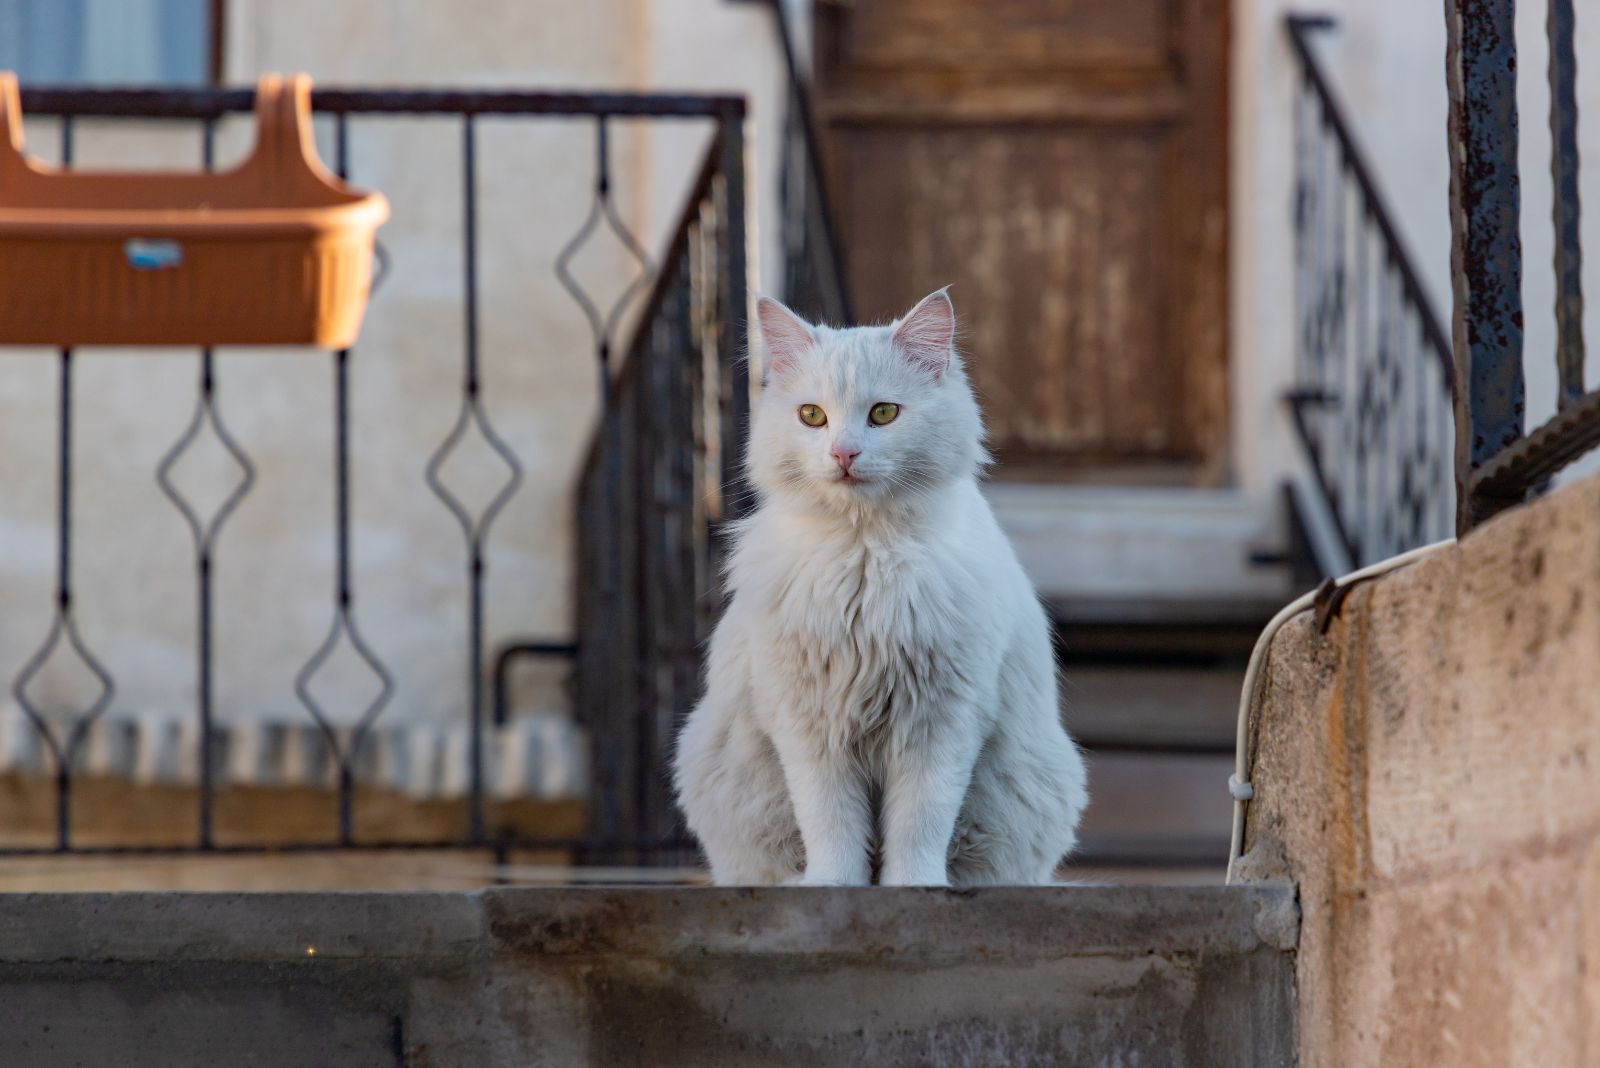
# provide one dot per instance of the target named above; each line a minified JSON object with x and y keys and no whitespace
{"x":275,"y":560}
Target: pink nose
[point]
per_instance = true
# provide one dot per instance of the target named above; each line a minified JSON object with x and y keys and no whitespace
{"x":844,"y":455}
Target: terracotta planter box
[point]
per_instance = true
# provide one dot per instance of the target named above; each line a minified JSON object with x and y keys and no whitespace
{"x":277,"y":251}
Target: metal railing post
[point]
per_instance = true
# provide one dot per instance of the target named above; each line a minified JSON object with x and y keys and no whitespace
{"x":1485,"y":244}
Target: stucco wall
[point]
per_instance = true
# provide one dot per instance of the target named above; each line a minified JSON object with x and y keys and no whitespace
{"x":274,"y":579}
{"x":1426,"y":772}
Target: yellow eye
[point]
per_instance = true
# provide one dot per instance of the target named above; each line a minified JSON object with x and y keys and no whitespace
{"x":883,"y":414}
{"x":811,"y":415}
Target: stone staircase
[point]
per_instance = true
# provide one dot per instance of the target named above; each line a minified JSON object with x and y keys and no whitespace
{"x":1158,"y":595}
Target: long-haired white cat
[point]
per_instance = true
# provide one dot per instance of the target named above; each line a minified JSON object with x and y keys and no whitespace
{"x":882,"y":683}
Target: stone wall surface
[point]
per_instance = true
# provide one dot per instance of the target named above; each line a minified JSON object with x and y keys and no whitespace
{"x":791,"y":976}
{"x":1428,"y":772}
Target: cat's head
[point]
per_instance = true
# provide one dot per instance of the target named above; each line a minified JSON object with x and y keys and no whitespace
{"x":849,"y":418}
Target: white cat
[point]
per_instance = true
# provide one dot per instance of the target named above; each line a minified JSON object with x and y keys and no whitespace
{"x":882,"y":682}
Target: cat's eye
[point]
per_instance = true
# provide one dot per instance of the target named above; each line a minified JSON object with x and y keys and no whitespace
{"x":811,"y":415}
{"x":883,"y":414}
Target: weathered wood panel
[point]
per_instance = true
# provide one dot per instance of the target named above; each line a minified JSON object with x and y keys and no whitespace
{"x":1046,"y":237}
{"x":1063,"y":165}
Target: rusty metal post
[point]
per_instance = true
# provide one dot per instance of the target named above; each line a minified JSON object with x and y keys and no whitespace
{"x":1564,"y":210}
{"x":1485,"y":245}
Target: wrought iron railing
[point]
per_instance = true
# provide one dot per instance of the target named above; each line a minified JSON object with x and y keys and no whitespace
{"x":662,"y":473}
{"x":1499,"y":463}
{"x":1373,"y":370}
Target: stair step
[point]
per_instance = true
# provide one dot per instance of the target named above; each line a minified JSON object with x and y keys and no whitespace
{"x":1167,"y":709}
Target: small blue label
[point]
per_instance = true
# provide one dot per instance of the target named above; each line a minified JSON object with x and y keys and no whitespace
{"x":152,"y":254}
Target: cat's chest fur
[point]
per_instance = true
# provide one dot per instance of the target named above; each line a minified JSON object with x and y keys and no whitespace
{"x":861,"y":633}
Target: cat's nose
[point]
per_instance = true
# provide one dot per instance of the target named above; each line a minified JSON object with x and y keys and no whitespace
{"x":844,"y":454}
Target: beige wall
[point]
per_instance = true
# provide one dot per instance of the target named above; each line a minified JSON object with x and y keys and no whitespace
{"x":1426,"y":774}
{"x":275,"y":560}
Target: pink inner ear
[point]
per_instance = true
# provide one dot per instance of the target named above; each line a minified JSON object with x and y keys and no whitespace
{"x":927,"y":332}
{"x":784,"y":333}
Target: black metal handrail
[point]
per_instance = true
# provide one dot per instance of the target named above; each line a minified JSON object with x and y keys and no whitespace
{"x":703,"y":279}
{"x":1373,"y":369}
{"x":1498,"y":463}
{"x":113,"y":102}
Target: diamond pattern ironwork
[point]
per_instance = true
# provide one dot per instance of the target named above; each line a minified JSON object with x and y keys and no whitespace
{"x":63,"y":750}
{"x":344,"y":743}
{"x":472,"y":417}
{"x":206,"y":416}
{"x":64,"y":627}
{"x":603,"y":213}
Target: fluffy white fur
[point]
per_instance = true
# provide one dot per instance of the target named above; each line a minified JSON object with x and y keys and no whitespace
{"x":881,"y":690}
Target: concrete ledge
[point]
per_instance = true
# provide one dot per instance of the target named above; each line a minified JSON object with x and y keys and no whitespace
{"x":238,"y":928}
{"x":874,"y":925}
{"x":1154,"y":976}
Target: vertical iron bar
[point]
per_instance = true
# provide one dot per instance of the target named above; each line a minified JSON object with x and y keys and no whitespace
{"x":617,"y":817}
{"x":469,"y":196}
{"x":1330,"y":171}
{"x":341,"y":402}
{"x":1354,"y":407}
{"x":64,"y":575}
{"x":206,"y":695}
{"x":1485,"y":246}
{"x":602,"y":191}
{"x":1564,"y":202}
{"x":1348,"y":488}
{"x":203,"y":549}
{"x":1387,"y":425}
{"x":64,"y":539}
{"x":1338,"y":315}
{"x":735,"y":314}
{"x":1304,"y":368}
{"x":341,"y":469}
{"x":1376,"y":394}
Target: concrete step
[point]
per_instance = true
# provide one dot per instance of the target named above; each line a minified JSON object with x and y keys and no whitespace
{"x":1156,"y":811}
{"x":1154,"y":708}
{"x":1148,"y":976}
{"x":1144,"y":707}
{"x":1146,"y":554}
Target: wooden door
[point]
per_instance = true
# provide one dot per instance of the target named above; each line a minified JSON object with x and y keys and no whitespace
{"x":1063,"y":164}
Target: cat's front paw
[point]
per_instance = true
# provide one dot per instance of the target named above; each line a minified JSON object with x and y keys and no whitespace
{"x":914,"y":877}
{"x":823,"y":879}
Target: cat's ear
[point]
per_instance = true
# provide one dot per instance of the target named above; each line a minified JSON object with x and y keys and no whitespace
{"x":784,"y":333}
{"x":928,"y":331}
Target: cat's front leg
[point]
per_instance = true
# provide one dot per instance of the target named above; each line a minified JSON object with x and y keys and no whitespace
{"x":922,"y":799}
{"x":829,"y":794}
